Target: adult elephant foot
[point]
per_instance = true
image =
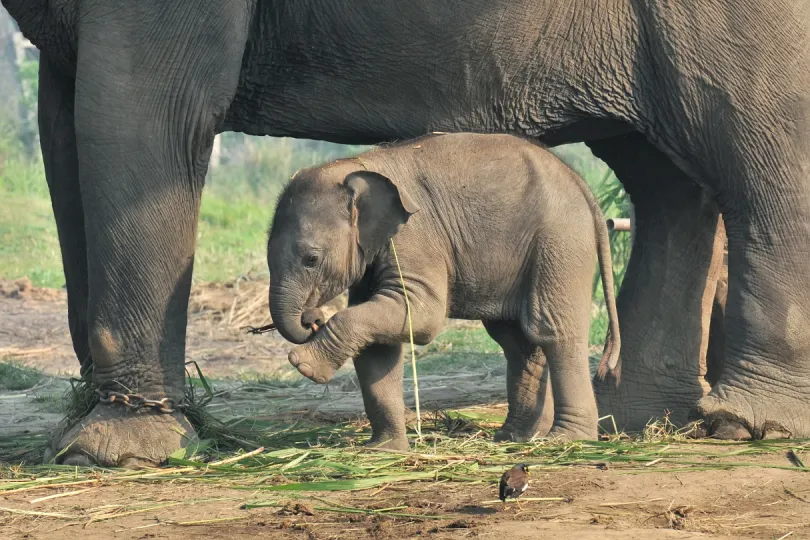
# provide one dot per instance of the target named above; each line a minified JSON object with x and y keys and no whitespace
{"x":643,"y":399}
{"x":666,"y":297}
{"x":740,"y":416}
{"x":113,"y":436}
{"x":734,"y":409}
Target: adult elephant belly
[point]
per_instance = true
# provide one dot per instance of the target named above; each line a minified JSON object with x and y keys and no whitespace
{"x":128,"y":121}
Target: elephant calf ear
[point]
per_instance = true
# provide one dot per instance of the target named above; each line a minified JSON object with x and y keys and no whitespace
{"x":380,"y":207}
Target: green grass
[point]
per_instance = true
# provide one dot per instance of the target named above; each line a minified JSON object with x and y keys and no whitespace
{"x":15,"y":376}
{"x":457,"y":349}
{"x":311,"y":458}
{"x":28,"y":242}
{"x":315,"y":468}
{"x":271,"y":460}
{"x":231,"y":238}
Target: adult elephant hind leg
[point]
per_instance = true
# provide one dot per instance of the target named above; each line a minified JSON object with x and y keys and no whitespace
{"x":145,"y":118}
{"x":716,"y":352}
{"x":528,"y":386}
{"x":666,"y":297}
{"x":379,"y":370}
{"x":59,"y":155}
{"x":763,"y":390}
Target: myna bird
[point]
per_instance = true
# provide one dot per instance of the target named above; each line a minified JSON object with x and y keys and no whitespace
{"x":514,"y":482}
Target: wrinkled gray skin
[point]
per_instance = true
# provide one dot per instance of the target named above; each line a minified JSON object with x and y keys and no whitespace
{"x":699,"y":106}
{"x":488,"y":227}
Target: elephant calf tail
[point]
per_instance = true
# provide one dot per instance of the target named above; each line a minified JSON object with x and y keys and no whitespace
{"x":610,"y":356}
{"x":611,"y":359}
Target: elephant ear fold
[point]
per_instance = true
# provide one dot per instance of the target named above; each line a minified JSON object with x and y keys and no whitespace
{"x":378,"y":208}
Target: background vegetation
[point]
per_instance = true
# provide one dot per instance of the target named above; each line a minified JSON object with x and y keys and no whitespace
{"x":237,"y":203}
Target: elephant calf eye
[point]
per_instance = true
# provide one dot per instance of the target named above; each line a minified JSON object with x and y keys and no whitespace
{"x":310,"y":260}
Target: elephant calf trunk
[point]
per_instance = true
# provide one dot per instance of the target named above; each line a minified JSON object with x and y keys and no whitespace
{"x":288,"y":318}
{"x":313,"y":318}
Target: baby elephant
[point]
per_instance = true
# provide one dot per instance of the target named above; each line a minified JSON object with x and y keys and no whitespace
{"x":488,"y":227}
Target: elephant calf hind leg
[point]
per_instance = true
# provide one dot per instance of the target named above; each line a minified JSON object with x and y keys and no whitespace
{"x":575,"y":412}
{"x":557,"y":320}
{"x":528,"y":389}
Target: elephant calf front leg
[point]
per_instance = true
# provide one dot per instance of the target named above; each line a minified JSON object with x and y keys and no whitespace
{"x":381,"y":320}
{"x":379,"y":370}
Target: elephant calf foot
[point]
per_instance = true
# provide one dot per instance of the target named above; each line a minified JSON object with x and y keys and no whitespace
{"x":389,"y":442}
{"x":573,"y":433}
{"x":113,"y":436}
{"x":516,"y":428}
{"x":571,"y":427}
{"x":510,"y":434}
{"x":312,"y":365}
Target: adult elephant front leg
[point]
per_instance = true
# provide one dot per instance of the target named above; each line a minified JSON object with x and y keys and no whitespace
{"x":146,"y":112}
{"x":59,"y":155}
{"x":666,"y":297}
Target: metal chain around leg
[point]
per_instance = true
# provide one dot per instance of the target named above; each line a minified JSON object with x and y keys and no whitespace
{"x":137,"y":401}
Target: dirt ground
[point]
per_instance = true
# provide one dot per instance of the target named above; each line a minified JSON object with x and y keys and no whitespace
{"x":584,"y":502}
{"x":587,"y":503}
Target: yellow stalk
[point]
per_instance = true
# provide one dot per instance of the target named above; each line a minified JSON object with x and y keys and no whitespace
{"x":413,"y":349}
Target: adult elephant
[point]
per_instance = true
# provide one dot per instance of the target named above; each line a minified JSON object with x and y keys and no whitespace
{"x":672,"y":94}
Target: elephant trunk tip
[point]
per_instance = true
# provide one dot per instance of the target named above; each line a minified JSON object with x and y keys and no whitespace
{"x":294,"y":329}
{"x":313,"y":319}
{"x":295,"y":317}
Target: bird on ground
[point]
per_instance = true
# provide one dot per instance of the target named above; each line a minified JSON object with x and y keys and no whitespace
{"x":514,"y":482}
